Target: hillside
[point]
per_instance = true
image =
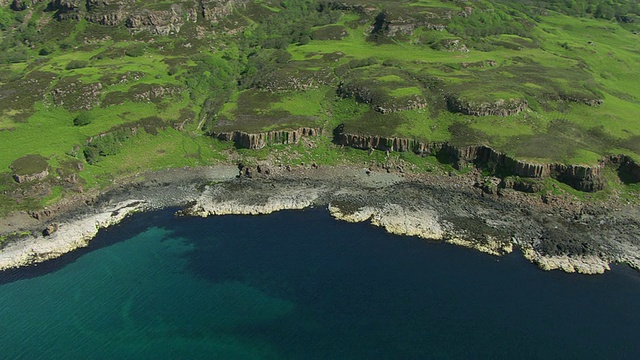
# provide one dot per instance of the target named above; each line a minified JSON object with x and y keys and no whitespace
{"x":526,"y":90}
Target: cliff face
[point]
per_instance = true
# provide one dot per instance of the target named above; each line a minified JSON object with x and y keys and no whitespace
{"x":377,"y":142}
{"x":30,"y":177}
{"x":215,"y":10}
{"x":583,"y":100}
{"x":67,"y":9}
{"x":364,"y":9}
{"x":628,"y":169}
{"x":580,"y":177}
{"x":19,"y":5}
{"x":260,"y":140}
{"x":364,"y":93}
{"x":156,"y":18}
{"x":498,"y":108}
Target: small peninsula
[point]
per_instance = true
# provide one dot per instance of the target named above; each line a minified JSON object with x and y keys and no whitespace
{"x":500,"y":126}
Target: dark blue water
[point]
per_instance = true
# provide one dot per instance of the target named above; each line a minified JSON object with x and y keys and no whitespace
{"x":301,"y":285}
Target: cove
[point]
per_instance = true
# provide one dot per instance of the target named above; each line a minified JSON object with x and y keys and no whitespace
{"x":298,"y":284}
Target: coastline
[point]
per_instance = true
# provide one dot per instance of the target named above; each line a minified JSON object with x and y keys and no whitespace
{"x":433,"y":207}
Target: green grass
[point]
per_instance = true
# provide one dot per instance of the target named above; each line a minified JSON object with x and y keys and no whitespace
{"x":390,"y":78}
{"x":405,"y":91}
{"x":168,"y":149}
{"x":258,"y":111}
{"x":56,"y":195}
{"x":307,"y":103}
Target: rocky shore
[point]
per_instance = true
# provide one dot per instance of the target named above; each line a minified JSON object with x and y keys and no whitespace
{"x":67,"y":236}
{"x":556,"y":233}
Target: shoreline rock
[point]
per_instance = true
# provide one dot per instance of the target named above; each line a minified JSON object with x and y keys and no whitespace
{"x":68,"y":236}
{"x":432,"y":207}
{"x":205,"y":205}
{"x":589,"y":265}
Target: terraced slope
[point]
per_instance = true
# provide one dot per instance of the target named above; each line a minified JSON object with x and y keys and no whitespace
{"x":526,"y":88}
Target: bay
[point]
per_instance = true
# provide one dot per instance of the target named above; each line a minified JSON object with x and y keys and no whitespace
{"x":298,"y":284}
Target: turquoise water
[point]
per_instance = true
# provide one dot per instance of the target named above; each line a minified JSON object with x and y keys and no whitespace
{"x":301,"y":285}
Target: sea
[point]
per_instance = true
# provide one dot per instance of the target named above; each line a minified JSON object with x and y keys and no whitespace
{"x":301,"y":285}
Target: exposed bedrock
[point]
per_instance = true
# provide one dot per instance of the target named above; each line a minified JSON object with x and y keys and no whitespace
{"x":19,"y":5}
{"x":574,"y":237}
{"x":628,"y":169}
{"x":66,"y":9}
{"x":362,"y":92}
{"x":580,"y":177}
{"x":363,"y":9}
{"x":31,"y":177}
{"x":259,"y":140}
{"x":500,"y":107}
{"x":583,"y":100}
{"x":157,"y":19}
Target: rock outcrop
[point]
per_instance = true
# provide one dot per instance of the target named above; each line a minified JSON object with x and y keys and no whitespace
{"x":363,"y":9}
{"x":259,"y":140}
{"x":75,"y":95}
{"x":365,"y":93}
{"x":287,"y":79}
{"x":211,"y":204}
{"x":500,"y":107}
{"x":571,"y":264}
{"x":215,"y":10}
{"x":583,"y":100}
{"x":65,"y":237}
{"x":29,"y":168}
{"x":161,"y":19}
{"x":392,"y":25}
{"x":30,"y":177}
{"x":580,"y":177}
{"x":628,"y":169}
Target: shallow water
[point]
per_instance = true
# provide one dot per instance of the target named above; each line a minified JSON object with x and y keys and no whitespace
{"x":298,"y":284}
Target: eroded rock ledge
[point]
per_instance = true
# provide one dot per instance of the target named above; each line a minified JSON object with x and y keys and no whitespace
{"x":259,"y":140}
{"x":577,"y":237}
{"x":162,"y":19}
{"x":58,"y":239}
{"x":580,"y":177}
{"x":500,"y":107}
{"x":587,"y":245}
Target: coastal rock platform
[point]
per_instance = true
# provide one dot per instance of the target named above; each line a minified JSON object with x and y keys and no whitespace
{"x":569,"y":236}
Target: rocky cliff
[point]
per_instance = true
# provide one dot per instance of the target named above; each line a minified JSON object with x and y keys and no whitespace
{"x":383,"y":143}
{"x":377,"y":97}
{"x":162,"y":19}
{"x":580,"y":177}
{"x":259,"y":140}
{"x":19,"y":5}
{"x":500,"y":107}
{"x":628,"y":169}
{"x":31,"y":177}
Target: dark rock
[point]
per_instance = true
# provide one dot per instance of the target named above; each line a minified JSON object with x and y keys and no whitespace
{"x":18,"y":5}
{"x":50,"y":230}
{"x":500,"y":107}
{"x":580,"y":177}
{"x":260,"y":140}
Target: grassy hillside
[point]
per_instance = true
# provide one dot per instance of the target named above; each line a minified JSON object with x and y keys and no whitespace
{"x":92,"y":87}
